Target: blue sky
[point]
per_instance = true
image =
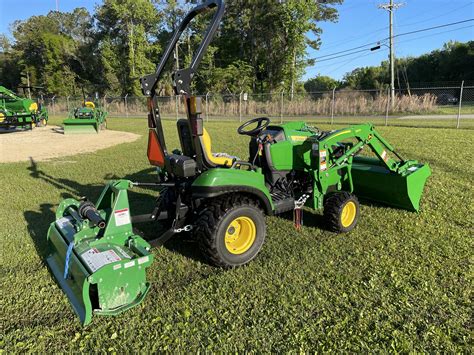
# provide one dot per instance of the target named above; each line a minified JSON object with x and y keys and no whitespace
{"x":360,"y":22}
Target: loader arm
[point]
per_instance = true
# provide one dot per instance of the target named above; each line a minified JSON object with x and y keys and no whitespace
{"x":387,"y":179}
{"x":365,"y":134}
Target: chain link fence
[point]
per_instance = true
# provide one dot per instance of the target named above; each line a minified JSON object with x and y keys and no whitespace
{"x":428,"y":106}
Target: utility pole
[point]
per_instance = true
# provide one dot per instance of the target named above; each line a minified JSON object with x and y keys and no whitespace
{"x":390,"y":8}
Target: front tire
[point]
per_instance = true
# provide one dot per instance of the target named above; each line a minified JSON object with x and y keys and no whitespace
{"x":231,"y":231}
{"x":341,"y":211}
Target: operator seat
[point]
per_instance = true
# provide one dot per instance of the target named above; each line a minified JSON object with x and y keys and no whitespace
{"x":217,"y":159}
{"x":211,"y":160}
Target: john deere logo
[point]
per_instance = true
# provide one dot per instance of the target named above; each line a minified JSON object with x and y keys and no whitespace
{"x":33,"y":107}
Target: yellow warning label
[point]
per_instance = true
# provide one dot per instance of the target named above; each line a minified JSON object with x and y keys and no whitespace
{"x":299,"y":138}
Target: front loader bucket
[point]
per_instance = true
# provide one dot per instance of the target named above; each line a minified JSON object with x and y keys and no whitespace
{"x":375,"y":182}
{"x":80,"y":125}
{"x":100,"y":266}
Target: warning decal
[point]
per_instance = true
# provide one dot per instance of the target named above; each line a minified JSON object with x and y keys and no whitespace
{"x":122,"y":217}
{"x":95,"y":259}
{"x":322,"y":163}
{"x":384,"y":155}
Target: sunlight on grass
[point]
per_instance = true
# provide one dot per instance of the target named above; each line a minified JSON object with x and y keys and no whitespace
{"x":399,"y":282}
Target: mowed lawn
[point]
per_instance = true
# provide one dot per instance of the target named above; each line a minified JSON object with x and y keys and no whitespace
{"x":400,"y":281}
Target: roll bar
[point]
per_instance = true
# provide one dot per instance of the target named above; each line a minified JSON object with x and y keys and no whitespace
{"x":182,"y":78}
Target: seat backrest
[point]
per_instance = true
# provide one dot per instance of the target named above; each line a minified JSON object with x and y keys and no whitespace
{"x":185,"y":138}
{"x":206,"y":145}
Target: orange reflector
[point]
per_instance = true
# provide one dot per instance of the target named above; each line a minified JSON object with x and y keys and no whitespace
{"x":154,"y":152}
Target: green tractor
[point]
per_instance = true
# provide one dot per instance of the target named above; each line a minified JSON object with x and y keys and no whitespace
{"x":20,"y":112}
{"x":100,"y":261}
{"x":89,"y":118}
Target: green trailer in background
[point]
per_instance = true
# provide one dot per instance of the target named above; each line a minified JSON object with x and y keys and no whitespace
{"x":89,"y":118}
{"x":20,"y":112}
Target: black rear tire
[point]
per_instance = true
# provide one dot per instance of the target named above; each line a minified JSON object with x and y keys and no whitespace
{"x":215,"y":230}
{"x":341,"y":211}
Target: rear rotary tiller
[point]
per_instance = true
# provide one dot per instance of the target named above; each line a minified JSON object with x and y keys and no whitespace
{"x":100,"y":262}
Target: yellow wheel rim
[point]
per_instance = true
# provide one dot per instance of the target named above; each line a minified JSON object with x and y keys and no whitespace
{"x":348,"y":214}
{"x":44,"y":122}
{"x":240,"y":235}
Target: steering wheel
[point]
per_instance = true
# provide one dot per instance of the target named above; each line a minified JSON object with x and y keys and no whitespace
{"x":262,"y":123}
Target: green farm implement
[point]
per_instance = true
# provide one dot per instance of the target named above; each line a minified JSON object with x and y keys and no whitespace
{"x":19,"y":112}
{"x":89,"y":118}
{"x":99,"y":261}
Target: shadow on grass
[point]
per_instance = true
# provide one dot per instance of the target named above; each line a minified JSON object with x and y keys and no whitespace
{"x":140,"y":203}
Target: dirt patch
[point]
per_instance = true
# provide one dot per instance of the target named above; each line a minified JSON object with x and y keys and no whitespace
{"x":44,"y":143}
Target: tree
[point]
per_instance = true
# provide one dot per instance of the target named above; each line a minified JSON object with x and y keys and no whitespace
{"x":9,"y":71}
{"x":47,"y":48}
{"x":320,"y":83}
{"x":261,"y":46}
{"x":126,"y":29}
{"x":271,"y":36}
{"x":451,"y":63}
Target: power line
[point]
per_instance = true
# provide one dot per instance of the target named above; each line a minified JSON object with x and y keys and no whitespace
{"x":435,"y":34}
{"x":380,"y":41}
{"x":435,"y":17}
{"x":434,"y":27}
{"x":345,"y":62}
{"x":316,"y":66}
{"x":343,"y":55}
{"x":366,"y":34}
{"x":349,"y":62}
{"x":344,"y":51}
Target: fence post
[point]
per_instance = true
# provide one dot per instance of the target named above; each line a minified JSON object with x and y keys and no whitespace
{"x":54,"y":106}
{"x":387,"y":108}
{"x":126,"y":104}
{"x":207,"y":107}
{"x":281,"y":106}
{"x":460,"y":104}
{"x":240,"y":107}
{"x":333,"y":104}
{"x":177,"y":107}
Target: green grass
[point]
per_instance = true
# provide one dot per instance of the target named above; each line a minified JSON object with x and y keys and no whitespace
{"x":399,"y":282}
{"x":466,"y":108}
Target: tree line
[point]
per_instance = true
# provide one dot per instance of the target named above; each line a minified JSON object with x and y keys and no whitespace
{"x":453,"y":63}
{"x":260,"y":46}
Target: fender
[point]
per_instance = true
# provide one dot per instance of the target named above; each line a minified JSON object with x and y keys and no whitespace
{"x":219,"y":181}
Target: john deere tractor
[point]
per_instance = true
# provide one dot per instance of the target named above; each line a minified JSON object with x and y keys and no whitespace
{"x":19,"y":112}
{"x":98,"y":259}
{"x":89,"y":118}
